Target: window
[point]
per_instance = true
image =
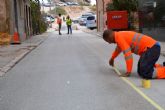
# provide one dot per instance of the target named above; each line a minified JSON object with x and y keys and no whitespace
{"x":152,"y":18}
{"x":91,"y":18}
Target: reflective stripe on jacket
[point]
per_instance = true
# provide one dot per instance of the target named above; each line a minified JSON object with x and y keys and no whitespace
{"x":130,"y":42}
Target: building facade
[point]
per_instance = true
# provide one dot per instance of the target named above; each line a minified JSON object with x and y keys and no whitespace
{"x":15,"y":17}
{"x":151,"y":15}
{"x":152,"y":18}
{"x":4,"y":16}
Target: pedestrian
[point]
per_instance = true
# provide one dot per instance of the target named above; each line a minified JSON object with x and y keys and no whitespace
{"x":63,"y":18}
{"x":69,"y":24}
{"x":130,"y":42}
{"x":59,"y":22}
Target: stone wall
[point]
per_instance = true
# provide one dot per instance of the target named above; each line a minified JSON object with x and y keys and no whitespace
{"x":4,"y":16}
{"x":14,"y":17}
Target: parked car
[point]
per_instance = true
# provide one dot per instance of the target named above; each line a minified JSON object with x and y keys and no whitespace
{"x":69,"y":3}
{"x":83,"y":18}
{"x":75,"y":3}
{"x":61,"y":4}
{"x":91,"y":22}
{"x":76,"y":20}
{"x":49,"y":19}
{"x":72,"y":3}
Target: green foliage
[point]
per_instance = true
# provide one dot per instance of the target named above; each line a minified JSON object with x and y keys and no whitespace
{"x":110,"y":7}
{"x":84,"y":4}
{"x":129,"y":5}
{"x":49,"y":1}
{"x":58,"y":10}
{"x":43,"y":26}
{"x":38,"y":23}
{"x":93,"y":8}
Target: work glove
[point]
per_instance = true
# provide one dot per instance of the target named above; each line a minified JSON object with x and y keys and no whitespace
{"x":111,"y":62}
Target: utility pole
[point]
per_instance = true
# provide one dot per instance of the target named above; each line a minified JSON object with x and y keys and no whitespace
{"x":43,"y":5}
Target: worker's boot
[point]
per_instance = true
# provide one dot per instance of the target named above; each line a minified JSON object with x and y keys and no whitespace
{"x":157,"y":65}
{"x":160,"y":71}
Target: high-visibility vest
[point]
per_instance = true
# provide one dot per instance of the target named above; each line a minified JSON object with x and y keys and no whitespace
{"x":68,"y":22}
{"x":130,"y":42}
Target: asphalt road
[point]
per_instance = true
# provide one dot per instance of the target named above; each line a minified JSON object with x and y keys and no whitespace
{"x":68,"y":72}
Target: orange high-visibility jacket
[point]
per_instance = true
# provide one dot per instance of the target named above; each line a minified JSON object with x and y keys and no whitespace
{"x":130,"y":42}
{"x":59,"y":20}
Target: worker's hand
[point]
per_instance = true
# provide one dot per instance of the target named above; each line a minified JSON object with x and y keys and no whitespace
{"x":125,"y":75}
{"x":111,"y":62}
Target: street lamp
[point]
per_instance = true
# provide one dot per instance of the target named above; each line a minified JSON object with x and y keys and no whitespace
{"x":154,"y":5}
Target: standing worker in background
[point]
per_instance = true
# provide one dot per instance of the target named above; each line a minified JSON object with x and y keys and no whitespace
{"x":63,"y":18}
{"x":59,"y":22}
{"x":130,"y":42}
{"x":69,"y":24}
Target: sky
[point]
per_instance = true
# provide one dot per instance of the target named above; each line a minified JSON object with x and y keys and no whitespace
{"x":92,"y":1}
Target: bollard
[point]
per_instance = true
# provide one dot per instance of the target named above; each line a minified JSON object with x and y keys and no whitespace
{"x":146,"y":83}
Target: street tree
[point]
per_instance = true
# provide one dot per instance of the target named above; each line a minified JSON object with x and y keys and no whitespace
{"x":38,"y":23}
{"x":128,"y":5}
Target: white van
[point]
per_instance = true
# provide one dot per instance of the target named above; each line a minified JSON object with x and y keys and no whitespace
{"x":91,"y":22}
{"x":83,"y":18}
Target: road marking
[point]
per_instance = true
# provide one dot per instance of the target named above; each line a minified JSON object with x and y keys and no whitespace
{"x":157,"y":106}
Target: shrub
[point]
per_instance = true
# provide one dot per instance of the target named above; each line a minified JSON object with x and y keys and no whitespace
{"x":58,"y":10}
{"x":38,"y":23}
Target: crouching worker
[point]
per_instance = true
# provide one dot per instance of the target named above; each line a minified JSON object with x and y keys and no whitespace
{"x":130,"y":42}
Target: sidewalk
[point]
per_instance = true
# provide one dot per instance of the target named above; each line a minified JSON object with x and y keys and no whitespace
{"x":12,"y":54}
{"x":100,"y":35}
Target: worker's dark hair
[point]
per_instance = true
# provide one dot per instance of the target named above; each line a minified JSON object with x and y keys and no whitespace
{"x":68,"y":17}
{"x":59,"y":14}
{"x":107,"y":33}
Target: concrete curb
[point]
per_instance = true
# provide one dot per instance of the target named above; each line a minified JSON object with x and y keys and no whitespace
{"x":163,"y":54}
{"x":17,"y":59}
